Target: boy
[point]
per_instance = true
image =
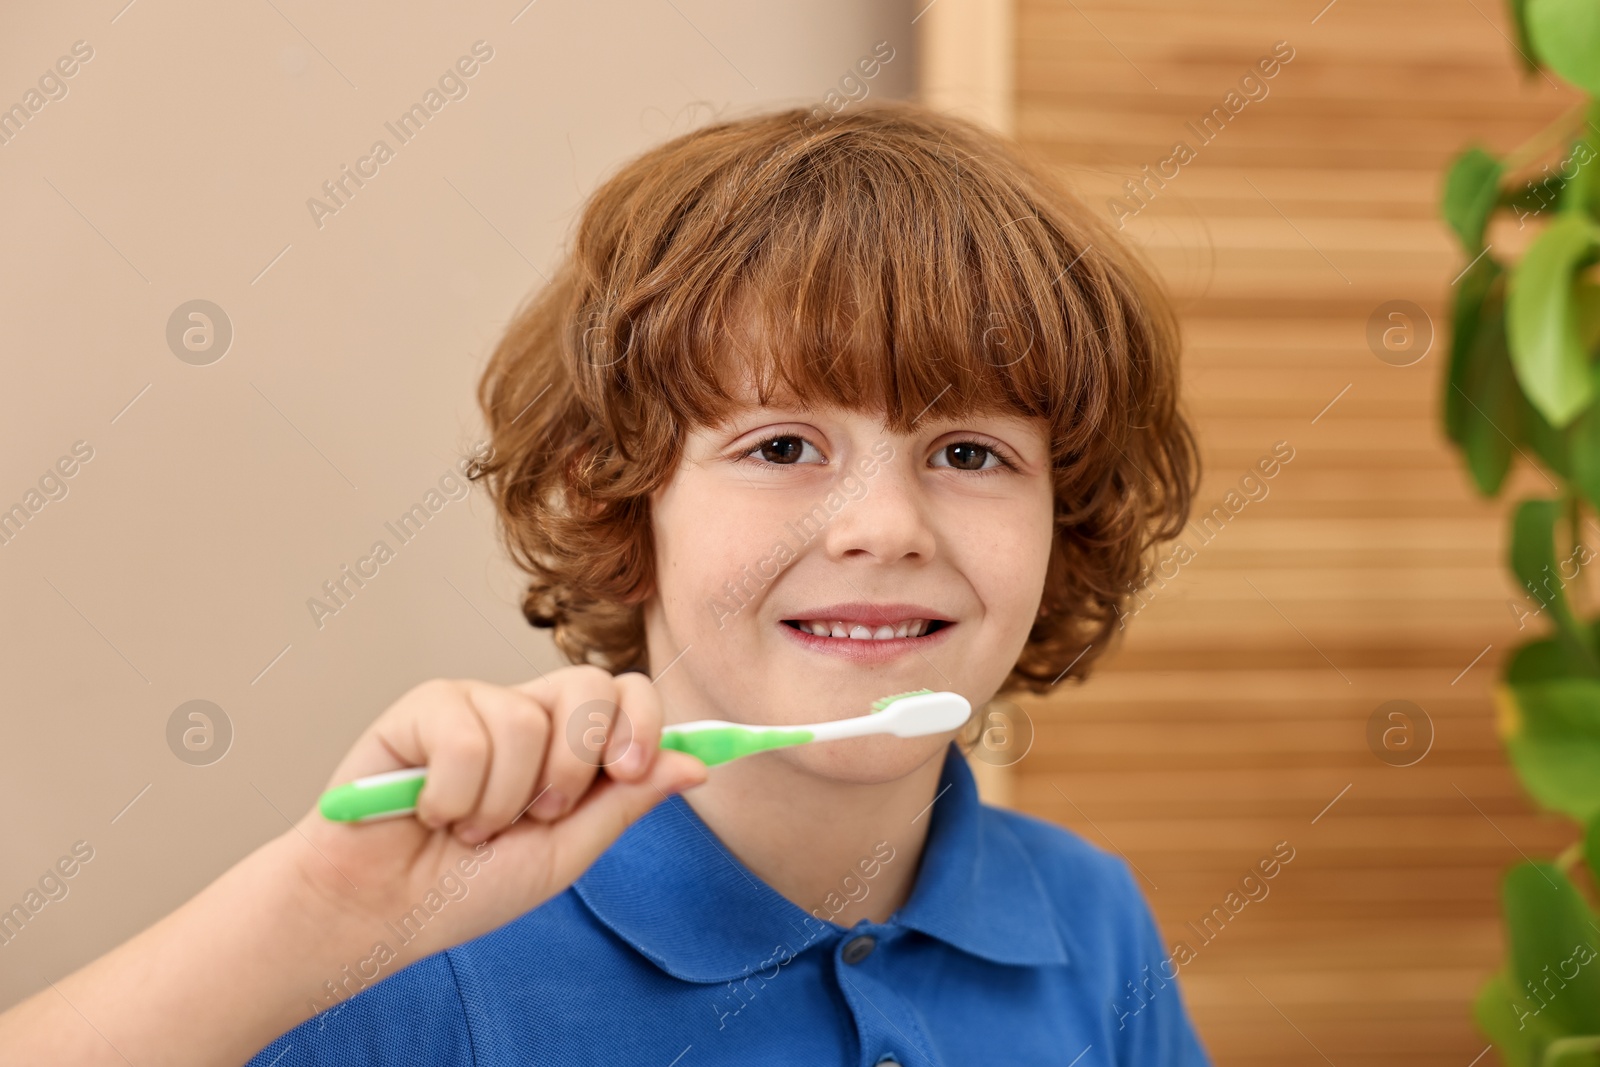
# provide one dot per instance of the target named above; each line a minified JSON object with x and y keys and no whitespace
{"x":813,"y":415}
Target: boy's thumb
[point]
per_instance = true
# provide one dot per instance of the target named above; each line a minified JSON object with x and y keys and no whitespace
{"x":610,"y":806}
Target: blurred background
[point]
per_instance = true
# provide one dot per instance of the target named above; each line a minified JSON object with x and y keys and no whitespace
{"x":216,"y":395}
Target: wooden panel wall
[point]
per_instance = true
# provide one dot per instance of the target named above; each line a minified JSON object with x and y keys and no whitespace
{"x":1235,"y":712}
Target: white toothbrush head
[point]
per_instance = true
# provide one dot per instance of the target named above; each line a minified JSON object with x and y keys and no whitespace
{"x":922,"y":712}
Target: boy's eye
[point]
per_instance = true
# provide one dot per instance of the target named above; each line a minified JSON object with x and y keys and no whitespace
{"x":967,"y":456}
{"x":787,"y":449}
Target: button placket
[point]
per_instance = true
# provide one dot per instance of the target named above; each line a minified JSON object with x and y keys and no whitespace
{"x":884,"y":1021}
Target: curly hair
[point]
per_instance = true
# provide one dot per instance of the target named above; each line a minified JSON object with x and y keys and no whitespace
{"x":898,"y":261}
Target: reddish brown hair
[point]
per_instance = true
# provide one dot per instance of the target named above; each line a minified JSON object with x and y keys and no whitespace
{"x":895,"y":260}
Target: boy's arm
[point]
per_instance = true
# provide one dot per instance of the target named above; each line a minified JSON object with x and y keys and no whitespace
{"x":213,"y":982}
{"x":242,"y":962}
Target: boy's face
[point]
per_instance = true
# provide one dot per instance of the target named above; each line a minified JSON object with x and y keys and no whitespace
{"x":782,"y":522}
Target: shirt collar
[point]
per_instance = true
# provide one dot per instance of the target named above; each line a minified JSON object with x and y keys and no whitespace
{"x":671,"y":889}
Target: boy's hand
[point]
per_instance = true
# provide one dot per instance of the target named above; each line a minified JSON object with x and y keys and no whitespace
{"x":518,"y":767}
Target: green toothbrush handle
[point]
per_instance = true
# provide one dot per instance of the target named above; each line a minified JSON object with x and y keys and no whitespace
{"x":720,"y":744}
{"x":377,"y":796}
{"x":381,"y":796}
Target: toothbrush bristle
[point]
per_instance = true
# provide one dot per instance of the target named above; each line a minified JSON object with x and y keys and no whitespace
{"x":884,"y":702}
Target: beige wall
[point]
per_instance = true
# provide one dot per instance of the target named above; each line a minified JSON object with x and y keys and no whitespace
{"x":218,"y":498}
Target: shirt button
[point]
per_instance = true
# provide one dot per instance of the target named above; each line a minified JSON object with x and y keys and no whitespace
{"x":888,"y":1058}
{"x":858,"y":949}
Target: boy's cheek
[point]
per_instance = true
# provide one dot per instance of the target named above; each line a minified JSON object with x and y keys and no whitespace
{"x":1006,"y":558}
{"x":1008,"y":587}
{"x":708,"y":580}
{"x":719,"y":557}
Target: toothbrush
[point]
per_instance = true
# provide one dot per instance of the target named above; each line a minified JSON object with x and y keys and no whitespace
{"x":712,"y":741}
{"x":913,"y":714}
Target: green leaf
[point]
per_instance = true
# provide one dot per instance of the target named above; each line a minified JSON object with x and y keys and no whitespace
{"x":1542,"y":319}
{"x":1548,"y":659}
{"x":1553,"y":953}
{"x":1472,"y":290}
{"x":1539,"y":661}
{"x":1569,"y":184}
{"x":1471,"y":190}
{"x":1509,"y":1020}
{"x":1488,"y":447}
{"x":1566,"y":36}
{"x":1551,"y":731}
{"x":1584,"y":193}
{"x":1481,"y":409}
{"x":1572,"y":1052}
{"x":1575,"y":170}
{"x":1518,"y":10}
{"x":1533,"y":527}
{"x":1583,"y":444}
{"x":1533,"y":560}
{"x":1591,"y":848}
{"x":1547,"y":442}
{"x":1586,"y":300}
{"x":1533,"y":198}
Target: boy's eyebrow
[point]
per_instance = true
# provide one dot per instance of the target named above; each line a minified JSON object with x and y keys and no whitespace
{"x":750,"y":410}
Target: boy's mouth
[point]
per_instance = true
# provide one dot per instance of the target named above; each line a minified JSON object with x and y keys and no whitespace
{"x":864,"y":632}
{"x":863,"y":626}
{"x":869,"y":637}
{"x":847,"y":629}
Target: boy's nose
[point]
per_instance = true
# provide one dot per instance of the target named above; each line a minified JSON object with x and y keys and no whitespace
{"x":888,"y":521}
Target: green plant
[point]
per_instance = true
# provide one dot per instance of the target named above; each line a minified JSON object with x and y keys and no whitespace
{"x":1523,"y":378}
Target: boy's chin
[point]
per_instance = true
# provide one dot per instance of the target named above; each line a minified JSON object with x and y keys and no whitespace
{"x":867,"y":760}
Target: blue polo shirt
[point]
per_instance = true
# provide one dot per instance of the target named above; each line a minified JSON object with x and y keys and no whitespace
{"x":1020,"y":943}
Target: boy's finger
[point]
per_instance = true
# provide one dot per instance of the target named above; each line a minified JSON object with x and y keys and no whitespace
{"x":540,"y":689}
{"x":456,"y":748}
{"x":581,"y":715}
{"x":612,"y":806}
{"x":392,"y":742}
{"x":636,"y":735}
{"x":519,"y":731}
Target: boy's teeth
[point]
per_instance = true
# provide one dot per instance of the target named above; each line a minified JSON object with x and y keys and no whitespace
{"x":859,"y":632}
